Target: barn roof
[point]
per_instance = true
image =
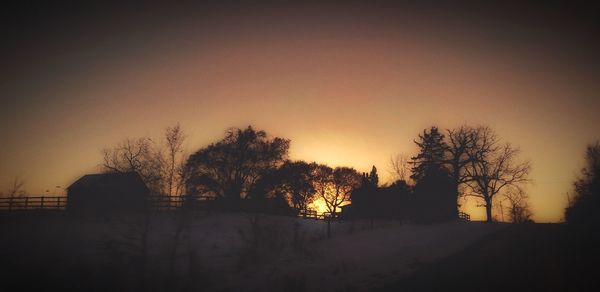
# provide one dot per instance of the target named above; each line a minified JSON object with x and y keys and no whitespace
{"x":117,"y":180}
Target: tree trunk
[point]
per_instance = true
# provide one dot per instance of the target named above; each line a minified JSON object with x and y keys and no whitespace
{"x":488,"y":211}
{"x":456,"y":209}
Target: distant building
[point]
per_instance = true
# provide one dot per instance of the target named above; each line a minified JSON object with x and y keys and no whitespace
{"x":107,"y":194}
{"x":391,"y":202}
{"x":432,"y":200}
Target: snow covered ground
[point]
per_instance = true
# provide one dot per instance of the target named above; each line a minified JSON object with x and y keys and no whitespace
{"x":240,"y":252}
{"x":295,"y":254}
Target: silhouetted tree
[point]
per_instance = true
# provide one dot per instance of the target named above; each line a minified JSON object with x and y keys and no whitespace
{"x":518,"y":207}
{"x":268,"y":185}
{"x":172,"y":160}
{"x":344,"y":180}
{"x":434,"y":192}
{"x":459,"y":142}
{"x":431,"y":153}
{"x":583,"y":208}
{"x":297,"y":183}
{"x":159,"y":164}
{"x":335,"y":185}
{"x":322,"y":180}
{"x":231,"y":167}
{"x":399,"y":167}
{"x":493,"y":168}
{"x":136,"y":155}
{"x":175,"y":161}
{"x":374,"y":177}
{"x":271,"y":193}
{"x":15,"y":189}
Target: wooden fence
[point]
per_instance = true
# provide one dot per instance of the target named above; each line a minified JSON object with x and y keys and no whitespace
{"x":14,"y":204}
{"x":59,"y":203}
{"x":464,"y":216}
{"x":312,"y":214}
{"x":166,"y":203}
{"x":173,"y":203}
{"x":159,"y":204}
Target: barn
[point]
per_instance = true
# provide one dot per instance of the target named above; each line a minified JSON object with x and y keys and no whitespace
{"x":107,"y":194}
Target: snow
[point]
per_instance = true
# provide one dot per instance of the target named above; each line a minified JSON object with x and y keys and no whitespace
{"x":356,"y":257}
{"x":228,"y":252}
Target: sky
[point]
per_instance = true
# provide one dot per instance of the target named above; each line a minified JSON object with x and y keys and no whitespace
{"x":350,"y":83}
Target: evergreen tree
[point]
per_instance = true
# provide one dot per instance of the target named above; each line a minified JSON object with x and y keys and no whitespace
{"x":374,"y":177}
{"x":431,"y":155}
{"x":435,"y":193}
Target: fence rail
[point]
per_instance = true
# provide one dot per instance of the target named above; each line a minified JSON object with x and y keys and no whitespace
{"x":59,"y":203}
{"x":312,"y":214}
{"x":166,"y":203}
{"x":11,"y":204}
{"x":172,"y":203}
{"x":159,"y":204}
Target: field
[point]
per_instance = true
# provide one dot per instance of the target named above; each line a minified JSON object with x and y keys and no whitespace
{"x":252,"y":252}
{"x":529,"y":257}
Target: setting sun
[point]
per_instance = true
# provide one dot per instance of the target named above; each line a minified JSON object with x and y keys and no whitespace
{"x":320,"y":206}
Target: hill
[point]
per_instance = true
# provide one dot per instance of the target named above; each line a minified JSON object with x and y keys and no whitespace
{"x":223,"y":252}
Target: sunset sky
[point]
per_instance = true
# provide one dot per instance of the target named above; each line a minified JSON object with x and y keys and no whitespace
{"x":350,"y":83}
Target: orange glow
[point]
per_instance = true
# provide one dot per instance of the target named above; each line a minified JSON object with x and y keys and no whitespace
{"x":351,"y":91}
{"x":319,"y":206}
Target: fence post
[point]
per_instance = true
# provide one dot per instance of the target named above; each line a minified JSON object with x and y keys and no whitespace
{"x":42,"y":203}
{"x":329,"y":226}
{"x":58,"y":203}
{"x":26,"y":202}
{"x":10,"y":203}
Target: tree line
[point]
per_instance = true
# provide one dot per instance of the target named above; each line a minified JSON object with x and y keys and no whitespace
{"x":582,"y":209}
{"x":249,"y":165}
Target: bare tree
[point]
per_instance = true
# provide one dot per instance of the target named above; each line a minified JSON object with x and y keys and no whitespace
{"x":161,"y":165}
{"x":493,"y":168}
{"x":399,"y":167}
{"x":15,"y":189}
{"x":175,"y":161}
{"x":322,"y":180}
{"x":138,"y":155}
{"x":334,"y":186}
{"x":460,"y":141}
{"x":518,"y":206}
{"x":129,"y":155}
{"x":297,"y":183}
